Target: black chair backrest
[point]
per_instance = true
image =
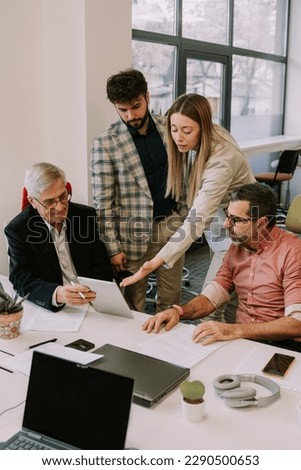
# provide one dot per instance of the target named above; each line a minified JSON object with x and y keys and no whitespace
{"x":287,"y":162}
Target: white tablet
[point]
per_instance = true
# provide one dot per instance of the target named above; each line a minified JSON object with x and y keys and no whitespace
{"x":109,"y":298}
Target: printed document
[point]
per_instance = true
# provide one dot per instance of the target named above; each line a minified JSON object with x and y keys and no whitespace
{"x":67,"y":319}
{"x":22,"y":362}
{"x":177,"y":347}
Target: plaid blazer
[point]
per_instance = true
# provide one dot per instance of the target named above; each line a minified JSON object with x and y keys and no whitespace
{"x":121,"y":195}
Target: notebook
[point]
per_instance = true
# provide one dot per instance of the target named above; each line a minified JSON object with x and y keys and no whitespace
{"x":109,"y":298}
{"x":68,"y":406}
{"x":154,"y":378}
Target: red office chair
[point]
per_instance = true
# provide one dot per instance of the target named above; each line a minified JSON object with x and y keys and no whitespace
{"x":284,"y":172}
{"x":24,"y":200}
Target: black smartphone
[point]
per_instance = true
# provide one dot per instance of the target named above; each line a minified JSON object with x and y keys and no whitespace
{"x":278,"y":365}
{"x":81,"y":345}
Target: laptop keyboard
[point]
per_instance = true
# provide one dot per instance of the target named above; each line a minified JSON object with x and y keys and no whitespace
{"x":23,"y":443}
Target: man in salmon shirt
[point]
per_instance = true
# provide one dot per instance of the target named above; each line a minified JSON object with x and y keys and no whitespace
{"x":263,"y":265}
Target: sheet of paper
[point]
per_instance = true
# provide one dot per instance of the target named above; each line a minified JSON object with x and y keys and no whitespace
{"x":22,"y":361}
{"x":257,"y":358}
{"x":177,"y":347}
{"x":67,"y":319}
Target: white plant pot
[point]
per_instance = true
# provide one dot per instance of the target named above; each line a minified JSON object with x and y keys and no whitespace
{"x":193,"y":412}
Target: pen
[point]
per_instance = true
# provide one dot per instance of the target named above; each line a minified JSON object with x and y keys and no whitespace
{"x":6,"y":370}
{"x":79,"y":292}
{"x":5,"y":352}
{"x":43,"y":342}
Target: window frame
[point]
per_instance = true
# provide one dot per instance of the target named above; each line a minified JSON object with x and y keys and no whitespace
{"x":190,"y":48}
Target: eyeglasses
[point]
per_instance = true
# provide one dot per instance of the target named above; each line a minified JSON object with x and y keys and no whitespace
{"x":238,"y":220}
{"x":54,"y":202}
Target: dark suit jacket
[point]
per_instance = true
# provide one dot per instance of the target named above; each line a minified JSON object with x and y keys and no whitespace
{"x":34,"y":265}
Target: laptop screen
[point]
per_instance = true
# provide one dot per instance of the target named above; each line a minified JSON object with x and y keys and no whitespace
{"x":71,"y":403}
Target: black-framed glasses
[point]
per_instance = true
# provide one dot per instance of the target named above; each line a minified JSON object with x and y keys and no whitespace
{"x":54,"y":202}
{"x":238,"y":220}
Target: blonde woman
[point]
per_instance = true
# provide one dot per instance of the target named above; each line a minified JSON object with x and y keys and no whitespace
{"x":205,"y":164}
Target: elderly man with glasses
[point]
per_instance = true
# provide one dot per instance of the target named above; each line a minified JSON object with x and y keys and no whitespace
{"x":263,"y":265}
{"x":52,"y":241}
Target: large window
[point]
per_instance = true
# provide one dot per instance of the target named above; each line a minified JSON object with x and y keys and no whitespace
{"x":231,"y":51}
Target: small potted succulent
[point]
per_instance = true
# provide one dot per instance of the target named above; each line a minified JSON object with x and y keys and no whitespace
{"x":11,"y":313}
{"x":193,"y":404}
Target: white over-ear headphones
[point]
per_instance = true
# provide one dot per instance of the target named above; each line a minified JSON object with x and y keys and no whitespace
{"x":228,"y":388}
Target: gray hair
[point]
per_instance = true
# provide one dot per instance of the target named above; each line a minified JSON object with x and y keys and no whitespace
{"x":40,"y":176}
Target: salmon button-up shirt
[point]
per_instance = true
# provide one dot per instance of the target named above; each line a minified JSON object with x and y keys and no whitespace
{"x":267,"y":281}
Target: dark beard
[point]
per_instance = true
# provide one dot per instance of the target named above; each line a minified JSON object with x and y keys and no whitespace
{"x":241,"y":240}
{"x":140,"y":122}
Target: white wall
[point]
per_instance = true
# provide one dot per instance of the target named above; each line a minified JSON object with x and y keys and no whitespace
{"x":22,"y":101}
{"x":56,"y":56}
{"x":64,"y":89}
{"x":108,"y":50}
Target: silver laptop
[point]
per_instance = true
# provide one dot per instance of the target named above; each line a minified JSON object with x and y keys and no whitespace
{"x":67,"y":407}
{"x":109,"y":298}
{"x":154,"y":378}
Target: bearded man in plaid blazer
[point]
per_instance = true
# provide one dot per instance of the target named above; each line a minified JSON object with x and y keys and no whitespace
{"x":129,"y":170}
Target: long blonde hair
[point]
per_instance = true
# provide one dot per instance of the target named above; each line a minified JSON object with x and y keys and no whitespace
{"x":197,"y":108}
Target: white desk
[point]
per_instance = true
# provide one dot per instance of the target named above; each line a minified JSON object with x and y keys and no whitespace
{"x":163,"y":427}
{"x":270,"y":144}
